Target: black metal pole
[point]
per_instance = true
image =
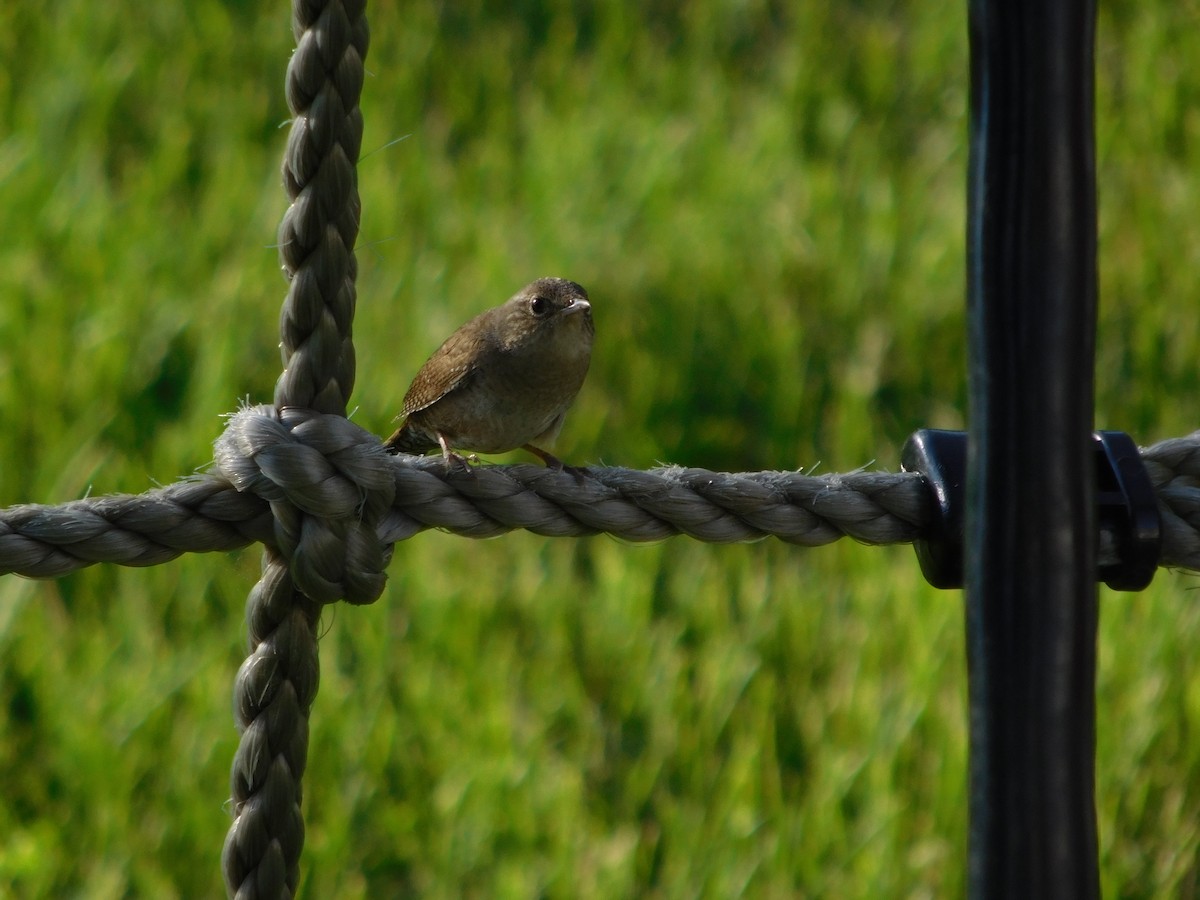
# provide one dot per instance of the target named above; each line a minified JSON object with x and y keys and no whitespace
{"x":1030,"y":563}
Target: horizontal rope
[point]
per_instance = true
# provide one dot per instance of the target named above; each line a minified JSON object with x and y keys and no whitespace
{"x":325,"y":477}
{"x":198,"y":515}
{"x":715,"y":507}
{"x":1174,"y":469}
{"x":195,"y":515}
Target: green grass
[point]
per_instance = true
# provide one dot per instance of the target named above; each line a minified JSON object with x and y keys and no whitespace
{"x":767,"y":208}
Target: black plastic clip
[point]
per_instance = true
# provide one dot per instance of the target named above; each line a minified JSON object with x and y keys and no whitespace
{"x":1127,"y":518}
{"x":1126,"y":513}
{"x":940,"y":456}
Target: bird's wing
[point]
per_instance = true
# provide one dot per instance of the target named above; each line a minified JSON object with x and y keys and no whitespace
{"x":450,"y":367}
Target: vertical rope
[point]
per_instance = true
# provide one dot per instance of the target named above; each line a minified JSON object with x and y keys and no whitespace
{"x":277,"y":683}
{"x":318,"y":231}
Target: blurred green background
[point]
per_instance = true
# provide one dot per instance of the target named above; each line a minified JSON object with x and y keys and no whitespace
{"x":766,"y":202}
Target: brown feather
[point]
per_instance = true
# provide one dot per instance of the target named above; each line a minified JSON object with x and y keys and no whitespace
{"x":451,"y":364}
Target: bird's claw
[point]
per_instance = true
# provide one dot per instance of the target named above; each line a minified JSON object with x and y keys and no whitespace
{"x":455,"y":461}
{"x":553,"y":462}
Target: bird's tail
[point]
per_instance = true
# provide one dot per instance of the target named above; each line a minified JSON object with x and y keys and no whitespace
{"x":409,"y":440}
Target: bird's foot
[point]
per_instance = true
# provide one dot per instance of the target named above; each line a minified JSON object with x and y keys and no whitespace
{"x":456,"y":462}
{"x":553,"y":462}
{"x":579,"y":473}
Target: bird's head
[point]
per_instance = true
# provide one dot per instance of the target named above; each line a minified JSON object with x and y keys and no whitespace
{"x":550,"y":313}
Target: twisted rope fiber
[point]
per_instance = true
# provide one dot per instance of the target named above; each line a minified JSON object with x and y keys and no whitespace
{"x":331,"y":467}
{"x":312,"y":543}
{"x":1174,"y":469}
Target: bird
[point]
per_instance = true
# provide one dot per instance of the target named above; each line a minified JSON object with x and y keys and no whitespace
{"x":504,"y":380}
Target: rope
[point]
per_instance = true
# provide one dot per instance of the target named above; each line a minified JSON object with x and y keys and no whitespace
{"x":1174,"y":469}
{"x":320,"y":550}
{"x":325,"y":465}
{"x":197,"y":515}
{"x":319,"y":228}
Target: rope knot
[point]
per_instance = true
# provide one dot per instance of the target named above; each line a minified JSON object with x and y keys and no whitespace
{"x":328,"y":483}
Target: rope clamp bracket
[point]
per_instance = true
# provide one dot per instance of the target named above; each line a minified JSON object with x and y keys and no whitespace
{"x":1127,"y":518}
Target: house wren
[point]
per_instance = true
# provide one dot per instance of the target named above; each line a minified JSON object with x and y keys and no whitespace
{"x":505,"y":379}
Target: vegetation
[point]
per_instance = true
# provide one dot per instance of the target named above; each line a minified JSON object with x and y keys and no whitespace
{"x":767,"y":206}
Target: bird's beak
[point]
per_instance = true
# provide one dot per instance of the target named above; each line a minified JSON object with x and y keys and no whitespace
{"x":576,"y":306}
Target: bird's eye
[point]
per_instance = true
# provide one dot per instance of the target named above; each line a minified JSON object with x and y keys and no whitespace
{"x":539,"y":306}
